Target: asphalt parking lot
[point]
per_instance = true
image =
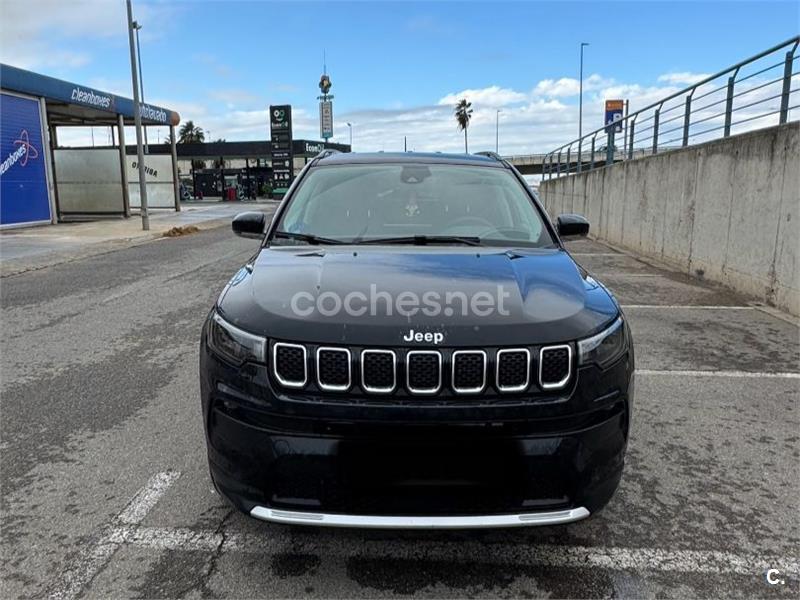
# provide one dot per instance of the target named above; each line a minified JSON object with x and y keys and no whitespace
{"x":105,"y":488}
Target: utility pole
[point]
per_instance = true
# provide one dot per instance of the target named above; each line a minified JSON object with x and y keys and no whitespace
{"x":580,"y":99}
{"x":580,"y":115}
{"x":137,"y":27}
{"x":405,"y":144}
{"x":137,"y":119}
{"x":497,"y":132}
{"x":350,"y":126}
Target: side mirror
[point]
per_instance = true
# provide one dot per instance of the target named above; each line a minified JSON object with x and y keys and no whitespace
{"x":569,"y":225}
{"x":249,"y":225}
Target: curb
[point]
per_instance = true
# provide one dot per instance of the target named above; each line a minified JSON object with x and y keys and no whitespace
{"x":10,"y":268}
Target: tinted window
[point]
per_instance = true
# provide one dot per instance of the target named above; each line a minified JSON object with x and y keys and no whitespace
{"x":360,"y":202}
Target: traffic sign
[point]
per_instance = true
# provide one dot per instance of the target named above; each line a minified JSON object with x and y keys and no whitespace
{"x":615,"y":110}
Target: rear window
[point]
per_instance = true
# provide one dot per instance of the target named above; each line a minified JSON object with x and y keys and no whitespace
{"x":361,"y":202}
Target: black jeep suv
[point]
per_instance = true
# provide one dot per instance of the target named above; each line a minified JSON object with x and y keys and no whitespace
{"x":413,"y":346}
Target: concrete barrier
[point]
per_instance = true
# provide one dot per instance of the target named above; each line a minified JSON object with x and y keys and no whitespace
{"x":727,"y":210}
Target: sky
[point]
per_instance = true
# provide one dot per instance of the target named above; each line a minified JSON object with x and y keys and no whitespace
{"x":397,"y":67}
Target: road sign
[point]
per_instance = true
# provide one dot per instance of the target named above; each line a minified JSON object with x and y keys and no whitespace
{"x":280,"y":125}
{"x":326,"y":119}
{"x":615,"y":109}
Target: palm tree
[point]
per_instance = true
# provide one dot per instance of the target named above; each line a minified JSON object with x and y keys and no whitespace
{"x":189,"y":133}
{"x":463,"y":114}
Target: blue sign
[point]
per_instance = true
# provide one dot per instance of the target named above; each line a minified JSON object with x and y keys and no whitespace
{"x":24,"y":195}
{"x":614,"y":113}
{"x":34,"y":84}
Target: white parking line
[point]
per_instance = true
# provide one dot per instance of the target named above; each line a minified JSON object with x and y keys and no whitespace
{"x":613,"y":558}
{"x":744,"y":374}
{"x":126,"y":529}
{"x":690,"y":306}
{"x":90,"y":562}
{"x":147,"y":497}
{"x":618,"y":274}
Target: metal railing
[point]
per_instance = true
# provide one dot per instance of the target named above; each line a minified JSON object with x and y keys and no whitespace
{"x":743,"y":97}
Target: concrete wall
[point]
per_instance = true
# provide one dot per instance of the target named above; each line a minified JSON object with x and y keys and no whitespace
{"x":727,"y":210}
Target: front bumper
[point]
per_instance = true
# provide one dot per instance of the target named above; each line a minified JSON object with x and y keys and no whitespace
{"x":558,"y":517}
{"x":286,"y":461}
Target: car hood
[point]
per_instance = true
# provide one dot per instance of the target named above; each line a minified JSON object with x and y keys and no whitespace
{"x":528,"y":296}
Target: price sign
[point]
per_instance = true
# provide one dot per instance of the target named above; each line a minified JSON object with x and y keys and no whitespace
{"x":280,"y":125}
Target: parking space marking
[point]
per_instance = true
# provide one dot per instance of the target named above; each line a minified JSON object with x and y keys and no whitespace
{"x":147,"y":497}
{"x":620,"y":274}
{"x":752,"y":374}
{"x":89,"y":563}
{"x":611,"y":558}
{"x":690,"y":306}
{"x":597,"y":254}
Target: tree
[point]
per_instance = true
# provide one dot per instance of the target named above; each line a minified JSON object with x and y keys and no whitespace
{"x":189,"y":133}
{"x":463,"y":112}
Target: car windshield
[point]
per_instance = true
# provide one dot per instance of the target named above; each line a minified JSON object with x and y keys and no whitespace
{"x":407,"y":203}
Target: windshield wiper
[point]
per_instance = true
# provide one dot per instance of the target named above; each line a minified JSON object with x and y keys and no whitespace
{"x":307,"y":237}
{"x":421,"y":240}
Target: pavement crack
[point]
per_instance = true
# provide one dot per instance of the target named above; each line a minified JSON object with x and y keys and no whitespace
{"x":213,"y":562}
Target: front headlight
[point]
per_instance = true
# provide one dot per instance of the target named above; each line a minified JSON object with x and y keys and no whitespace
{"x":233,"y":343}
{"x":605,"y":347}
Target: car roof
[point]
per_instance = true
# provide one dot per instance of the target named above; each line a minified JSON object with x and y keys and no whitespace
{"x":360,"y":158}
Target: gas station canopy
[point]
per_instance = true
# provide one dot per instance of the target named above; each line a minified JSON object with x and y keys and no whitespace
{"x":72,"y":104}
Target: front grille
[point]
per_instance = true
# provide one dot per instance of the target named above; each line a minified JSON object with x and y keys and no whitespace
{"x":555,"y":366}
{"x":378,"y":371}
{"x":290,"y":364}
{"x":405,"y":372}
{"x":333,"y":369}
{"x":423,"y":371}
{"x":513,"y":369}
{"x":469,"y":371}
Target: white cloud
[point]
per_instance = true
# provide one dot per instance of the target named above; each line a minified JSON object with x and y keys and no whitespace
{"x":490,"y":96}
{"x":566,"y":86}
{"x":683,"y":77}
{"x":43,"y":33}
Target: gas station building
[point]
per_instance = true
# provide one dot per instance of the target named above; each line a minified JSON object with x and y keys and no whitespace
{"x":41,"y":182}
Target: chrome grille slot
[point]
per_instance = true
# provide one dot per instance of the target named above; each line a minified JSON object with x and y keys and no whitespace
{"x":378,"y":371}
{"x":423,"y":371}
{"x":469,"y":371}
{"x":290,"y":364}
{"x":513,"y":369}
{"x":555,"y":366}
{"x":333,"y":369}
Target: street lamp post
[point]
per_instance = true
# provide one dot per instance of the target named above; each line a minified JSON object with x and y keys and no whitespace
{"x":350,"y":126}
{"x":580,"y":109}
{"x":137,"y":120}
{"x":497,"y":132}
{"x":137,"y":26}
